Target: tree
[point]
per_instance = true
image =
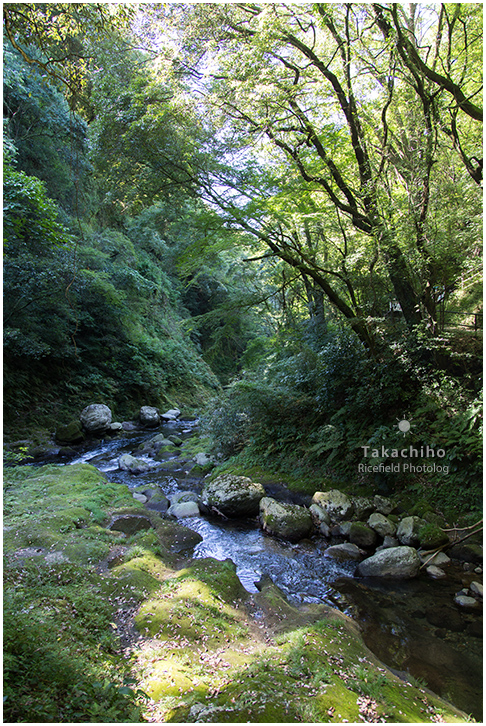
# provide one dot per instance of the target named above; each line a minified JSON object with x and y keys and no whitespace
{"x":318,"y":83}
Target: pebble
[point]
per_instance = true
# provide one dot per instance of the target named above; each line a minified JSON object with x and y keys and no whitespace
{"x":435,"y":572}
{"x":468,"y":603}
{"x":140,"y":497}
{"x":477,"y":588}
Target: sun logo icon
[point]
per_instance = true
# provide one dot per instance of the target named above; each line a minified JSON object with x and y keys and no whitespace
{"x":404,"y":426}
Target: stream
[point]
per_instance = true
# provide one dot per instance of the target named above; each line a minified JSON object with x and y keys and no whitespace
{"x":396,"y":617}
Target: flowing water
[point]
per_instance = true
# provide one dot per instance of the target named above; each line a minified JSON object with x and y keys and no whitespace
{"x":394,"y":616}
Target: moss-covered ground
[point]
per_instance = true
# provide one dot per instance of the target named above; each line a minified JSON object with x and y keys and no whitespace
{"x":102,"y":627}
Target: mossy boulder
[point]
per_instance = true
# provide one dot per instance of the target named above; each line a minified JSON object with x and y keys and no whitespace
{"x":362,"y":535}
{"x":408,"y":530}
{"x":288,"y":521}
{"x":336,"y":503}
{"x":71,"y":433}
{"x":233,"y":496}
{"x":431,"y":537}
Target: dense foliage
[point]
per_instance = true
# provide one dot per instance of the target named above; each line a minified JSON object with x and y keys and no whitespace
{"x":198,"y":192}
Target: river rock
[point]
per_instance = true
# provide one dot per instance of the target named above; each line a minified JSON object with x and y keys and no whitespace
{"x":289,"y":521}
{"x":439,"y":560}
{"x":171,"y":415}
{"x":157,"y":501}
{"x":363,"y":507}
{"x":70,"y":434}
{"x":176,"y":440}
{"x":343,"y":552}
{"x":336,"y":504}
{"x":185,"y":496}
{"x":465,"y":602}
{"x":139,"y":497}
{"x":477,"y":588}
{"x":408,"y":530}
{"x":129,"y":463}
{"x":383,"y":505}
{"x":202,"y":459}
{"x":435,"y":572}
{"x":115,"y":427}
{"x":394,"y":562}
{"x":95,"y":417}
{"x":319,"y":515}
{"x":362,"y":535}
{"x":232,"y":496}
{"x":183,"y":509}
{"x":381,"y":524}
{"x":149,"y":416}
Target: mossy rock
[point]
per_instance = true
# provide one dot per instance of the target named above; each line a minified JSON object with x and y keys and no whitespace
{"x":432,"y":537}
{"x":176,"y":538}
{"x":71,"y":433}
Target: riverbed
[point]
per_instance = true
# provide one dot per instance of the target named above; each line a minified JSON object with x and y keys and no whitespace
{"x":395,"y":616}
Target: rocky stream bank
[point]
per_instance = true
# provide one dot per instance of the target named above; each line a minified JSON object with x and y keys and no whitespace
{"x":202,"y":646}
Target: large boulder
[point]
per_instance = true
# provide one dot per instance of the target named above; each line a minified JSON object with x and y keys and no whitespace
{"x":149,"y":416}
{"x":337,"y":504}
{"x":289,"y":521}
{"x":70,"y":434}
{"x":394,"y":562}
{"x":408,"y":531}
{"x":233,"y":496}
{"x":96,"y":417}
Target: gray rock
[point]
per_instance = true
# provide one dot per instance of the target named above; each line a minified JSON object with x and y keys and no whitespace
{"x":176,"y":440}
{"x":381,"y":524}
{"x":363,"y":507}
{"x":476,"y":588}
{"x":183,"y":509}
{"x":171,"y":415}
{"x":439,"y":560}
{"x":115,"y":426}
{"x":233,"y":496}
{"x":186,"y":496}
{"x":289,"y":521}
{"x":435,"y":572}
{"x":466,"y":603}
{"x":202,"y":459}
{"x":319,"y":515}
{"x":394,"y":562}
{"x":129,"y":463}
{"x":408,"y":530}
{"x":383,"y":505}
{"x":343,"y":552}
{"x":140,"y":497}
{"x":336,"y":504}
{"x":149,"y":416}
{"x":95,"y":417}
{"x":324,"y":529}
